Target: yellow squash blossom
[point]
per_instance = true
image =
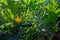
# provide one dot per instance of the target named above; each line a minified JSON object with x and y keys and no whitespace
{"x":18,"y":19}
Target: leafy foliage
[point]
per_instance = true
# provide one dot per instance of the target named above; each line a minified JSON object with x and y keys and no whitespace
{"x":39,"y":14}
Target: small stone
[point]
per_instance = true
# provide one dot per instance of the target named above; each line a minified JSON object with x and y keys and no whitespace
{"x":43,"y":30}
{"x":12,"y":26}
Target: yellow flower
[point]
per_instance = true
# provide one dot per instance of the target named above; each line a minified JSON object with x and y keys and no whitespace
{"x":18,"y":19}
